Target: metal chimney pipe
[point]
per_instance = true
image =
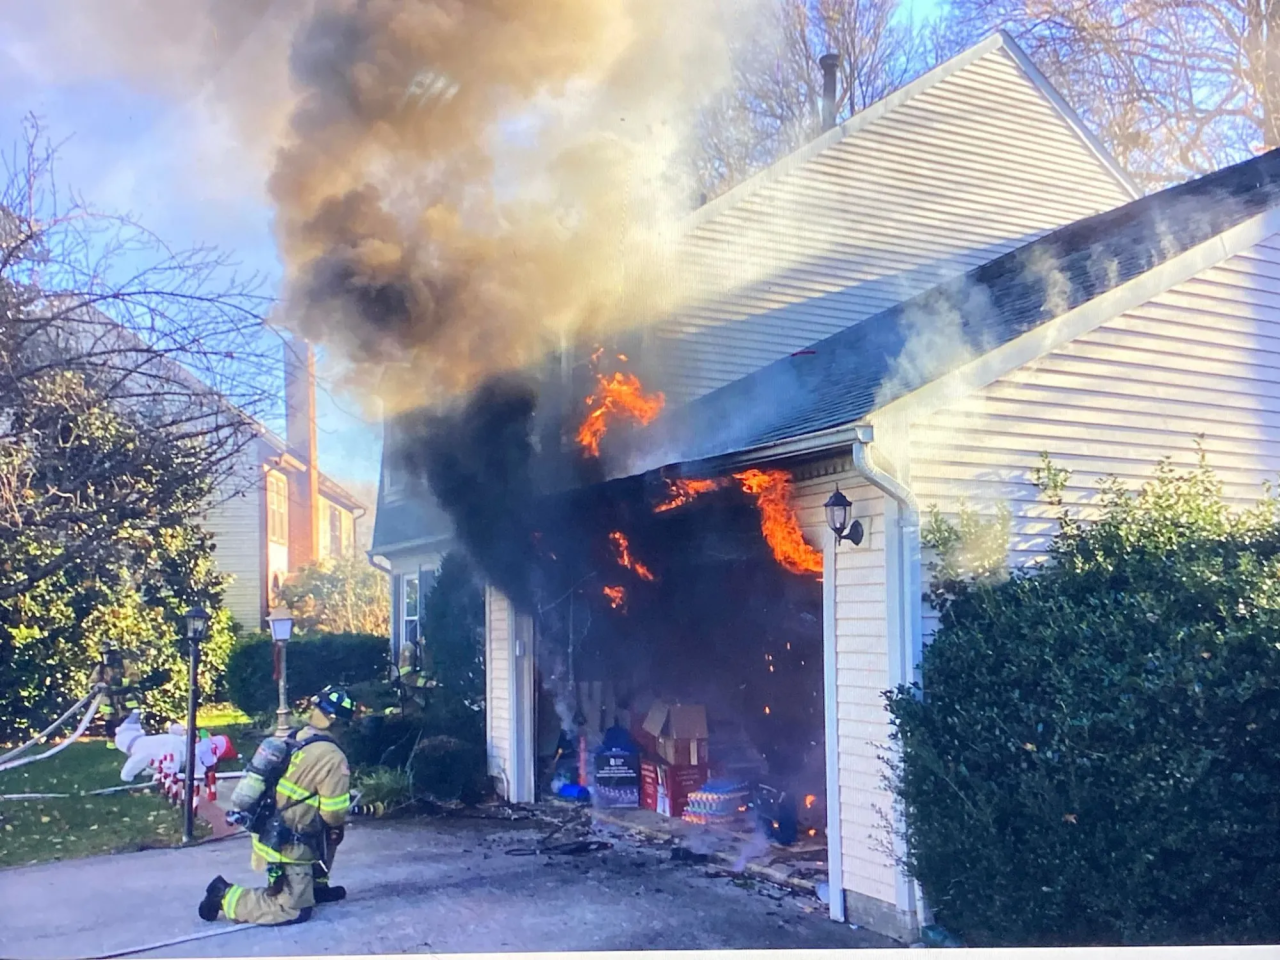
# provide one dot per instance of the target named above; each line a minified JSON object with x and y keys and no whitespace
{"x":829,"y":62}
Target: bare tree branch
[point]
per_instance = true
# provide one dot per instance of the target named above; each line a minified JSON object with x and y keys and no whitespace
{"x":1174,"y":88}
{"x":774,"y":106}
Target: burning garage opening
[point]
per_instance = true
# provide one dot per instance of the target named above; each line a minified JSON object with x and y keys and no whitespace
{"x":675,"y":622}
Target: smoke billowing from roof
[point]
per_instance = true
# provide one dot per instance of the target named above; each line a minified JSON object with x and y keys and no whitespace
{"x":465,"y":184}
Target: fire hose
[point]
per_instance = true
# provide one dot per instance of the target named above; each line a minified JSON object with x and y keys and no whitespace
{"x":10,"y":764}
{"x":42,"y":736}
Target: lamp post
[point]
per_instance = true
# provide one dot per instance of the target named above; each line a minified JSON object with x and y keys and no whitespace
{"x":197,"y":625}
{"x":837,"y":508}
{"x":281,"y":630}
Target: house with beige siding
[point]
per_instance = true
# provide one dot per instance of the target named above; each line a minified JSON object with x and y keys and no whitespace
{"x":840,"y":306}
{"x":277,"y":511}
{"x":1144,"y":333}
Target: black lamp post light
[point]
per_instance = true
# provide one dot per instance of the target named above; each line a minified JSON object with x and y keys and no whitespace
{"x":197,"y":626}
{"x":838,"y":508}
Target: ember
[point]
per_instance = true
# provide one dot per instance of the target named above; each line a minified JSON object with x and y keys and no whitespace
{"x":617,"y":596}
{"x":623,"y":550}
{"x":778,"y":521}
{"x":620,"y":396}
{"x":809,"y":801}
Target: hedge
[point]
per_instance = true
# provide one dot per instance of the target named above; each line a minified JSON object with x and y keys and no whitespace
{"x":1095,"y":758}
{"x":311,"y":662}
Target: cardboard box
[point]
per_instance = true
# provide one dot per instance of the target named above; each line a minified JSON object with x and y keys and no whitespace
{"x":665,"y":788}
{"x":678,"y":733}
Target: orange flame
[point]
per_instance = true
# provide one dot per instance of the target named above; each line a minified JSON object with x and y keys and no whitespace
{"x":617,"y":596}
{"x":809,"y":801}
{"x":623,"y":550}
{"x":681,"y":492}
{"x":778,"y":521}
{"x":616,"y":397}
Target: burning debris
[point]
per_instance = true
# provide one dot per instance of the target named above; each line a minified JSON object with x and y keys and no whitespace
{"x":617,"y":597}
{"x":623,"y":550}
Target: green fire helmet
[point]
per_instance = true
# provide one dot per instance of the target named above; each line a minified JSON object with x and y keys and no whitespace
{"x":334,"y":702}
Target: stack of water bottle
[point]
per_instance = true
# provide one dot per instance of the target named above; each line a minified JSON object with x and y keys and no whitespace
{"x":718,"y":802}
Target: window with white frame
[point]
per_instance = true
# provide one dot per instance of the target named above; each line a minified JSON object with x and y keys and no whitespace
{"x":409,"y":615}
{"x":277,"y":508}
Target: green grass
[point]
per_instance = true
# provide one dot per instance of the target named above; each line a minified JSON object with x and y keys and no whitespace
{"x":34,"y":831}
{"x":220,"y":715}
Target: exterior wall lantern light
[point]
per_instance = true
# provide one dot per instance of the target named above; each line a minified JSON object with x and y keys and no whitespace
{"x":197,"y":626}
{"x":837,"y":508}
{"x":281,"y":622}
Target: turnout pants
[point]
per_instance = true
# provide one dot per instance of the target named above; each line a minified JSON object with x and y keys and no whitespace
{"x":282,"y":901}
{"x":321,"y":869}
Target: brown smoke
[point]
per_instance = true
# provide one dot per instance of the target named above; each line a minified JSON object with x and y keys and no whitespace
{"x":465,"y":183}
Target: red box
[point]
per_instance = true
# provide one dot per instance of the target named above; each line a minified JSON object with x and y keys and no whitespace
{"x":665,"y":789}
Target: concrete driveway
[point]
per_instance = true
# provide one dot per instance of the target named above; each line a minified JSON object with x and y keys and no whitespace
{"x":425,"y":886}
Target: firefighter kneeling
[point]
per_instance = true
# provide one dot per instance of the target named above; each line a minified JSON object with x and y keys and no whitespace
{"x":293,"y":799}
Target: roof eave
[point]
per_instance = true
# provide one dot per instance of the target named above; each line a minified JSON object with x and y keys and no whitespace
{"x":1073,"y":324}
{"x":1005,"y":358}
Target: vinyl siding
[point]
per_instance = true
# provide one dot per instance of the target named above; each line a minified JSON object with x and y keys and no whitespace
{"x":237,"y":526}
{"x":498,"y":620}
{"x":862,"y":674}
{"x":1202,"y":358}
{"x":967,"y":169}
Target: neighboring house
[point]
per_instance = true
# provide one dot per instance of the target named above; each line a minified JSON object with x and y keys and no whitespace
{"x":284,"y":513}
{"x":959,"y":175}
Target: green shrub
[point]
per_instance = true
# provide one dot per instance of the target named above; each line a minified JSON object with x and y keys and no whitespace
{"x":1096,"y":756}
{"x":311,"y":664}
{"x":386,"y":785}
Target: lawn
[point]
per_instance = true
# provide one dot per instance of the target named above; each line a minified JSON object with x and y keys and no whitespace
{"x":66,"y":828}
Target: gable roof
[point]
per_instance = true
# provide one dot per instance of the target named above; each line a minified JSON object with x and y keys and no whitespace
{"x":863,"y":119}
{"x":964,"y":164}
{"x":853,"y":373}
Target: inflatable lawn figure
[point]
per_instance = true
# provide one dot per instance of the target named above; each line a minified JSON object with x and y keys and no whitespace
{"x":166,"y":753}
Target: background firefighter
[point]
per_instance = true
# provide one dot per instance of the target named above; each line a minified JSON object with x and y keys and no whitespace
{"x":124,"y":688}
{"x":297,"y":842}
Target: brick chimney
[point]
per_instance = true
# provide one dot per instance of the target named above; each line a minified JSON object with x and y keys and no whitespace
{"x":300,"y":436}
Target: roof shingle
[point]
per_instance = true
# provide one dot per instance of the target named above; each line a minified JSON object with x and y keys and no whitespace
{"x":852,"y":373}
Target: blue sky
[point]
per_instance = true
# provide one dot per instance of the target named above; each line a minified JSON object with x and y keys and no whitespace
{"x":126,"y":151}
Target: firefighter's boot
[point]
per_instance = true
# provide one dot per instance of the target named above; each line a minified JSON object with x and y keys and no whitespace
{"x":324,"y":893}
{"x":211,"y":905}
